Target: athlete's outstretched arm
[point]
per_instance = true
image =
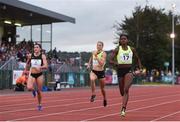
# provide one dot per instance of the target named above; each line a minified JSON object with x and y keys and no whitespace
{"x":90,"y":61}
{"x":45,"y":64}
{"x":28,"y":62}
{"x":137,"y":58}
{"x":113,"y":56}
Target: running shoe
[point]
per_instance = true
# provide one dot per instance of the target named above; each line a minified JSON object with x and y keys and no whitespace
{"x":39,"y":107}
{"x":93,"y":98}
{"x":123,"y":113}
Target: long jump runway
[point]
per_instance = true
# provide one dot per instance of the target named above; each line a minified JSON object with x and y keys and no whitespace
{"x":146,"y":103}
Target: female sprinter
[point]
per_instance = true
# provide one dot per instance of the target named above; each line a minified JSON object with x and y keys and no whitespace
{"x":98,"y":60}
{"x":122,"y":59}
{"x":37,"y":62}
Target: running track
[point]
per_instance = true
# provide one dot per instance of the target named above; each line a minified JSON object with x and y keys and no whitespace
{"x":146,"y":103}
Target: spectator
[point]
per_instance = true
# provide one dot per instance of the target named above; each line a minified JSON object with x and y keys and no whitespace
{"x":21,"y":82}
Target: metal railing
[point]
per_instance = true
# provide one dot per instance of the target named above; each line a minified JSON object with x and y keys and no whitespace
{"x":8,"y":65}
{"x":6,"y":73}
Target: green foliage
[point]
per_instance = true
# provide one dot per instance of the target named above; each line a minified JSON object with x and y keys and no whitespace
{"x":149,"y":30}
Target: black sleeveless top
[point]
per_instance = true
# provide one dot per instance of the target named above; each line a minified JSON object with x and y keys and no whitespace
{"x":36,"y":60}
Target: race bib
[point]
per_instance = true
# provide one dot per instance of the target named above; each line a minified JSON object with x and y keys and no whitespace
{"x":35,"y":63}
{"x":95,"y":62}
{"x":125,"y":58}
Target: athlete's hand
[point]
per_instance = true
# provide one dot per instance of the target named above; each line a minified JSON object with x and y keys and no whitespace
{"x":138,"y":72}
{"x":88,"y":66}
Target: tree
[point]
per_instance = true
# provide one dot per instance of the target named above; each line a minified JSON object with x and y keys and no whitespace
{"x":149,"y":31}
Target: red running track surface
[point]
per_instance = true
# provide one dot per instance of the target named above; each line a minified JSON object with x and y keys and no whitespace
{"x":146,"y":103}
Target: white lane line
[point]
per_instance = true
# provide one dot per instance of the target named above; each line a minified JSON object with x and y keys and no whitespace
{"x":63,"y":100}
{"x":29,"y":109}
{"x":85,"y":109}
{"x":28,"y":97}
{"x":46,"y":101}
{"x":168,"y":115}
{"x":53,"y":106}
{"x":132,"y":110}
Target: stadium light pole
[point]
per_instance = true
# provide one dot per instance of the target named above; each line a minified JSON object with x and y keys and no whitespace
{"x":172,"y":37}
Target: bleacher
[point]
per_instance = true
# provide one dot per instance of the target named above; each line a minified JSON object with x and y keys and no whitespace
{"x":70,"y":76}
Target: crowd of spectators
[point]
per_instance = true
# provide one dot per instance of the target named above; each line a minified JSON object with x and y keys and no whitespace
{"x":19,"y":51}
{"x":156,"y":75}
{"x":22,"y":49}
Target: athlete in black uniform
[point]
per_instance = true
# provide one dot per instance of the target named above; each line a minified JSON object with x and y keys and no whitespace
{"x":37,"y":62}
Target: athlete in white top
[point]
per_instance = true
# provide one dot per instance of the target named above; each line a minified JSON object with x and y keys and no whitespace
{"x":98,"y":60}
